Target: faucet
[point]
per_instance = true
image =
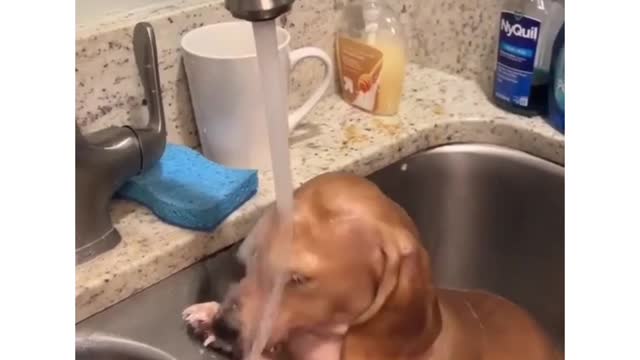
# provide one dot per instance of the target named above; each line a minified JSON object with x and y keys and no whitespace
{"x":107,"y":158}
{"x":257,"y":10}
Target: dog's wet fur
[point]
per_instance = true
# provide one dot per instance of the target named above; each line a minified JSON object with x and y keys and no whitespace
{"x":360,"y":288}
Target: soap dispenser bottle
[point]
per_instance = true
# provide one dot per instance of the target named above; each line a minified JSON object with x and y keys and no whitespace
{"x":370,"y":56}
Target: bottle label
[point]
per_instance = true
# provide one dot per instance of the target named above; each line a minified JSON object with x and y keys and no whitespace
{"x":360,"y":66}
{"x":517,"y":45}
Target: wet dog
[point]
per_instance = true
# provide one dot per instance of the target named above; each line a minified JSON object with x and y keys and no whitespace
{"x":359,"y":287}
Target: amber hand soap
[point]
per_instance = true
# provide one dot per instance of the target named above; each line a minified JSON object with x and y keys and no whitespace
{"x":370,"y":56}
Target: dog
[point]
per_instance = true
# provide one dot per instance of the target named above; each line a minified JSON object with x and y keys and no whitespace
{"x":359,"y":287}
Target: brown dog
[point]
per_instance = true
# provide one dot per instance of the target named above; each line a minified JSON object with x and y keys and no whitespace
{"x":360,"y":288}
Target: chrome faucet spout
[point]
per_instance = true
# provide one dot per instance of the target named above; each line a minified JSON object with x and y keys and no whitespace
{"x":258,"y":10}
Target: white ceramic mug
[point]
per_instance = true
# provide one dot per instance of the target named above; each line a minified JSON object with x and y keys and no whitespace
{"x":222,"y":72}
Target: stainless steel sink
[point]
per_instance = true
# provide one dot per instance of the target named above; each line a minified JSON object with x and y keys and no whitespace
{"x":106,"y":347}
{"x":491,"y":218}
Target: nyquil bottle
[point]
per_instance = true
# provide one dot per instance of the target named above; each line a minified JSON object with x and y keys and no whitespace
{"x":527,"y":31}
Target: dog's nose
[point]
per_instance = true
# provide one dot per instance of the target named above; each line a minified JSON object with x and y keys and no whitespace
{"x":226,"y":328}
{"x":227,"y":332}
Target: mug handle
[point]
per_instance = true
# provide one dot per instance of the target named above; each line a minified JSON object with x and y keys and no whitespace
{"x":295,"y":57}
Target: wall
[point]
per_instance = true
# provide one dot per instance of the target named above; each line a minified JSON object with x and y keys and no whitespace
{"x":108,"y":89}
{"x":454,"y":36}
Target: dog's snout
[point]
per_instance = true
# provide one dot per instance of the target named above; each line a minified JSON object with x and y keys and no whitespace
{"x":226,"y":327}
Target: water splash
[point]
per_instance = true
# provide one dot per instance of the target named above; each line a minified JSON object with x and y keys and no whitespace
{"x":274,"y":90}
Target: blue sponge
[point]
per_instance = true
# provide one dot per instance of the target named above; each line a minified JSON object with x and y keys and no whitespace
{"x":186,"y":189}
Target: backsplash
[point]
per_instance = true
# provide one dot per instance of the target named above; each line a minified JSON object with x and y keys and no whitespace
{"x":455,"y":36}
{"x":96,"y":11}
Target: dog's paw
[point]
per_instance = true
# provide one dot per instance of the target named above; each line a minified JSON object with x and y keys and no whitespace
{"x":200,"y":316}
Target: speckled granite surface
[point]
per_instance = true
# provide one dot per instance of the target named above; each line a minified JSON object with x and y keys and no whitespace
{"x":455,"y":36}
{"x":108,"y":89}
{"x":437,"y":109}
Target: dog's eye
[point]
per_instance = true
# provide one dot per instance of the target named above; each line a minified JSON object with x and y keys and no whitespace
{"x":298,"y":279}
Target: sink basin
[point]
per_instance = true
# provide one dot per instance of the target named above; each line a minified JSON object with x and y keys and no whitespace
{"x":106,"y":347}
{"x":492,"y":218}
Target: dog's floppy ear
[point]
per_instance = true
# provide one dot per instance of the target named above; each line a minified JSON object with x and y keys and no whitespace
{"x":394,"y":244}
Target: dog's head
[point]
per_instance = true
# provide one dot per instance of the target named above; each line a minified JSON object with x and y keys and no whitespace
{"x":339,"y":269}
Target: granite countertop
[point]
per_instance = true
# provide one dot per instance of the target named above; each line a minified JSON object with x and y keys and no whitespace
{"x":437,"y":109}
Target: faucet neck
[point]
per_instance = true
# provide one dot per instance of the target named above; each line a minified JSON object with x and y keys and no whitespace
{"x":152,"y":139}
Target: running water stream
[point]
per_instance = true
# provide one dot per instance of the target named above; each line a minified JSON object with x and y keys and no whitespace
{"x":274,"y":91}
